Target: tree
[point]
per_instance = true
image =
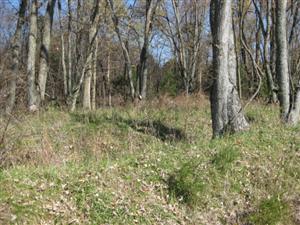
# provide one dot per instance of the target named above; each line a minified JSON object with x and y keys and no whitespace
{"x":86,"y":72}
{"x":124,"y":47}
{"x":265,"y":28}
{"x":33,"y":97}
{"x":282,"y":59}
{"x":183,"y":27}
{"x":45,"y":47}
{"x":289,"y":104}
{"x":151,"y":6}
{"x":62,"y":43}
{"x":92,"y":37}
{"x":16,"y":49}
{"x":227,"y":113}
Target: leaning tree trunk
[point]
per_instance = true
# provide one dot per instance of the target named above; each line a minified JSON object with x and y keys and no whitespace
{"x":226,"y":108}
{"x":282,"y":71}
{"x":16,"y":48}
{"x":33,"y":97}
{"x":45,"y":47}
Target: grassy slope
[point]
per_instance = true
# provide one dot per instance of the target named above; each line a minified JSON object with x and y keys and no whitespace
{"x":152,"y":165}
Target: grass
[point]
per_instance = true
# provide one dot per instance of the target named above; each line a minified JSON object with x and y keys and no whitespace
{"x":270,"y":212}
{"x":186,"y":184}
{"x":148,"y":165}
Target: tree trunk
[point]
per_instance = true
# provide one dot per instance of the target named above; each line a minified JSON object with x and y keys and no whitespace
{"x":227,"y":115}
{"x":108,"y":84}
{"x":282,"y":70}
{"x":151,"y":6}
{"x":86,"y":72}
{"x":289,"y":109}
{"x":94,"y":76}
{"x":89,"y":72}
{"x":45,"y":47}
{"x":16,"y":49}
{"x":63,"y":58}
{"x":31,"y":58}
{"x":266,"y":32}
{"x":181,"y":50}
{"x":70,"y":74}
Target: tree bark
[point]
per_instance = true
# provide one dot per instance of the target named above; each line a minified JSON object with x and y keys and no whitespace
{"x":45,"y":47}
{"x":227,"y":115}
{"x":85,"y":74}
{"x":151,"y":6}
{"x":63,"y":58}
{"x":70,"y":74}
{"x":89,"y":73}
{"x":108,"y":84}
{"x":266,"y":32}
{"x":94,"y":75}
{"x":289,"y":106}
{"x":282,"y":70}
{"x":16,"y":49}
{"x":181,"y":48}
{"x":31,"y":58}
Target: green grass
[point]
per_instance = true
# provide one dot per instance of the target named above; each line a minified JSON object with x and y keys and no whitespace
{"x":270,"y":212}
{"x":224,"y":158}
{"x":149,"y":165}
{"x":186,"y":184}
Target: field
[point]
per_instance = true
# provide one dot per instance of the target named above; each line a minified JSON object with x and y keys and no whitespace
{"x":151,"y":164}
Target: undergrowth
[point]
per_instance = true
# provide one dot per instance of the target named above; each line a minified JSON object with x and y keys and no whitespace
{"x":154,"y":164}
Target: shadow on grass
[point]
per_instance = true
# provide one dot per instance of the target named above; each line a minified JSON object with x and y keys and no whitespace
{"x":155,"y":128}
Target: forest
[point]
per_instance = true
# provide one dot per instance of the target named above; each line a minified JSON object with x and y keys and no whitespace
{"x":150,"y":112}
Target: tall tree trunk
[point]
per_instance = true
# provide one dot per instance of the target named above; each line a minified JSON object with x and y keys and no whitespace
{"x":70,"y":74}
{"x":226,"y":108}
{"x":87,"y":66}
{"x":265,"y":27}
{"x":78,"y":46}
{"x":267,"y":55}
{"x":108,"y":80}
{"x":282,"y":70}
{"x":63,"y":58}
{"x":16,"y":49}
{"x":195,"y":49}
{"x":142,"y":72}
{"x":45,"y":47}
{"x":181,"y":50}
{"x":94,"y":75}
{"x":89,"y":72}
{"x":289,"y":107}
{"x":151,"y":6}
{"x":238,"y":66}
{"x":31,"y":58}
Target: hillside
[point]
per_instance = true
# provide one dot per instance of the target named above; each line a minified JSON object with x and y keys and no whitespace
{"x":154,"y":164}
